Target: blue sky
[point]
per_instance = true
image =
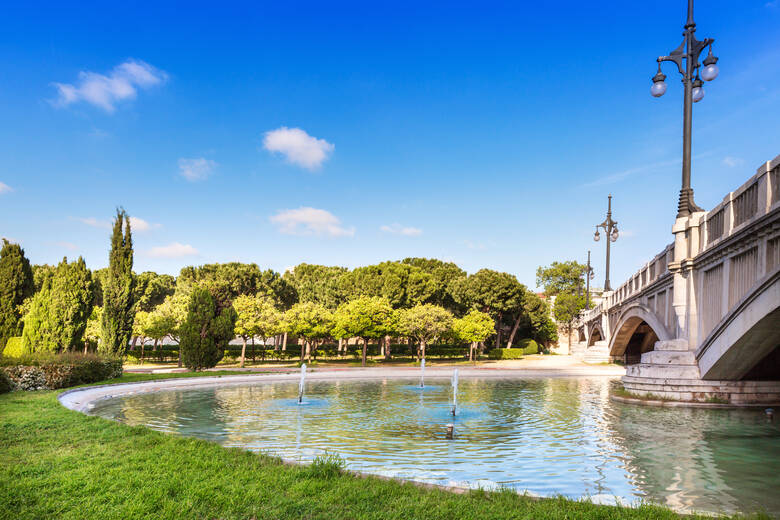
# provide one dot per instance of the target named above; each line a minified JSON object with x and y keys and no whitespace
{"x":488,"y":134}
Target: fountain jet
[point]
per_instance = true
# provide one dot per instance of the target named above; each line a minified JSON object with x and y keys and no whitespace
{"x":422,"y":373}
{"x":454,"y":391}
{"x":301,"y":384}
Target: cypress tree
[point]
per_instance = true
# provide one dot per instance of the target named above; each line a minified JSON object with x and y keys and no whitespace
{"x":16,"y":284}
{"x":117,"y":320}
{"x":59,"y":311}
{"x":206,"y":331}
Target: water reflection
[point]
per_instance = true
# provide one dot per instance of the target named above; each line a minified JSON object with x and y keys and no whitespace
{"x":547,"y":436}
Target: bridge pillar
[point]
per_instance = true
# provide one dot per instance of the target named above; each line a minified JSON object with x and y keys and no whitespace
{"x":686,"y":246}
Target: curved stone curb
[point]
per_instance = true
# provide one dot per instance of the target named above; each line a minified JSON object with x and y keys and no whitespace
{"x":687,"y":404}
{"x":82,"y":399}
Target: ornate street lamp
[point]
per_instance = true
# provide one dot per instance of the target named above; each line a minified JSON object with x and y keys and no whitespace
{"x":610,"y":229}
{"x":689,"y":50}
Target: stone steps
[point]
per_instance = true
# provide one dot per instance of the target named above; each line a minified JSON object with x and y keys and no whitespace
{"x":669,"y":357}
{"x":598,"y":353}
{"x":653,"y":371}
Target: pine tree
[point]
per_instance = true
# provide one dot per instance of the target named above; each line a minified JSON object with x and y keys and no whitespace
{"x":16,"y":284}
{"x":117,"y":320}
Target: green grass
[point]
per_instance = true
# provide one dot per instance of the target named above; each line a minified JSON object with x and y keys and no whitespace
{"x":57,"y":463}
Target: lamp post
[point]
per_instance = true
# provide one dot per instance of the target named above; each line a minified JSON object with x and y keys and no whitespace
{"x":610,"y":229}
{"x":588,"y":277}
{"x":689,"y":50}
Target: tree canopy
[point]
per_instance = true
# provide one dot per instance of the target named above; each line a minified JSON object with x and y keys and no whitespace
{"x":561,"y":277}
{"x":16,"y":285}
{"x":364,"y":317}
{"x":117,"y":319}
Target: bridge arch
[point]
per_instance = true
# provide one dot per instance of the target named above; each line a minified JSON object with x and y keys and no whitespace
{"x":637,"y":330}
{"x":595,"y":333}
{"x":745,"y":344}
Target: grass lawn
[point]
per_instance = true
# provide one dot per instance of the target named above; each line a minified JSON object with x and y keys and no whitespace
{"x":57,"y":463}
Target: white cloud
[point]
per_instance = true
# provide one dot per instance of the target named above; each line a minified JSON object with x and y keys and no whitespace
{"x":67,"y":245}
{"x":92,"y":221}
{"x":310,"y":221}
{"x":139,"y":224}
{"x":298,"y":147}
{"x":5,"y":188}
{"x":398,"y":229}
{"x":173,"y":250}
{"x":197,"y":169}
{"x":732,"y":162}
{"x":105,"y":91}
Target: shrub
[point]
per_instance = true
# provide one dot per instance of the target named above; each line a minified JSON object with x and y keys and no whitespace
{"x":206,"y":331}
{"x":39,"y":372}
{"x":5,"y":383}
{"x":529,"y":346}
{"x":13,"y":347}
{"x":506,"y":353}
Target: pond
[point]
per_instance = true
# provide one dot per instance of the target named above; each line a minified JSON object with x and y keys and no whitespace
{"x":544,"y":436}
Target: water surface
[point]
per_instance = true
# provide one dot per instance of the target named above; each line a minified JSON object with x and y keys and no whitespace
{"x":547,"y":436}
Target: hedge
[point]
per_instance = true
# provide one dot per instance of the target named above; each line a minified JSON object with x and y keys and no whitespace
{"x":13,"y":347}
{"x":59,"y":371}
{"x":529,"y":346}
{"x":506,"y":353}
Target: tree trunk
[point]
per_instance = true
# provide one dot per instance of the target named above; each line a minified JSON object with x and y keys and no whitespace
{"x":365,"y":347}
{"x":481,"y":347}
{"x":86,"y":345}
{"x":338,"y":350}
{"x":178,"y":342}
{"x":243,"y":350}
{"x":253,"y":349}
{"x":422,"y":348}
{"x":132,"y":345}
{"x":142,"y":352}
{"x":388,"y":353}
{"x":381,"y":342}
{"x":284,"y":342}
{"x":471,"y":351}
{"x":514,"y":330}
{"x":569,"y":339}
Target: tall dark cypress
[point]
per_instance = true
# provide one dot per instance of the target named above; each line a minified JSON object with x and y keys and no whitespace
{"x":16,"y":284}
{"x":117,"y":321}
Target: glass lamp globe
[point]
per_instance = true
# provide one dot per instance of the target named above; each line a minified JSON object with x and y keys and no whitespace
{"x":710,"y":72}
{"x":596,"y":237}
{"x":614,"y":235}
{"x":658,"y":89}
{"x":698,"y":94}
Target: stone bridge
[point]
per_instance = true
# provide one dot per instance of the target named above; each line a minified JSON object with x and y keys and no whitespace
{"x":701,"y":320}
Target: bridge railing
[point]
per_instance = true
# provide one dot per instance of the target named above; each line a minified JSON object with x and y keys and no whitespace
{"x":739,"y":208}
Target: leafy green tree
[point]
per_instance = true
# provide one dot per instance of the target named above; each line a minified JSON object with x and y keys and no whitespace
{"x":92,"y":332}
{"x":151,"y":289}
{"x":40,"y":273}
{"x":171,"y":314}
{"x":496,"y":293}
{"x":425,"y":323}
{"x":16,"y":284}
{"x":257,"y":316}
{"x":59,"y":312}
{"x":445,"y":277}
{"x":561,"y":277}
{"x":474,"y":327}
{"x":317,"y":284}
{"x":118,"y":313}
{"x":566,"y":308}
{"x":311,"y":321}
{"x":206,"y":331}
{"x":365,"y":317}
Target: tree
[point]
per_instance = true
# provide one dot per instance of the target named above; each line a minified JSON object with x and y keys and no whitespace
{"x":364,"y":317}
{"x":317,"y":284}
{"x":561,"y":277}
{"x":425,"y":323}
{"x":256,"y":316}
{"x":118,"y":289}
{"x":493,"y":292}
{"x":206,"y":330}
{"x":171,"y":314}
{"x":16,"y":284}
{"x":311,"y":321}
{"x":151,"y":289}
{"x":474,"y":327}
{"x":567,"y":306}
{"x":59,"y":312}
{"x":92,"y":332}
